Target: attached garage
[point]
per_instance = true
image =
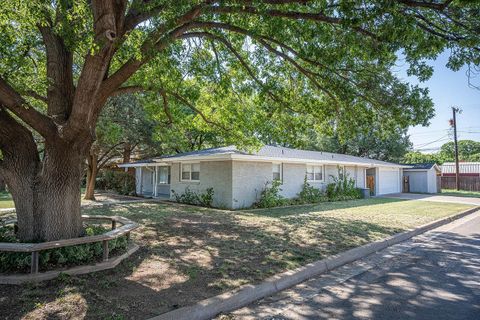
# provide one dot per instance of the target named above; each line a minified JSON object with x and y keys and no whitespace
{"x":421,"y":178}
{"x":389,"y":180}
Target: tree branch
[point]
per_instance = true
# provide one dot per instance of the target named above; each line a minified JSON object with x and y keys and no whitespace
{"x":35,"y":95}
{"x":11,"y":100}
{"x":294,"y":15}
{"x":166,"y":108}
{"x":177,"y":96}
{"x":59,"y":70}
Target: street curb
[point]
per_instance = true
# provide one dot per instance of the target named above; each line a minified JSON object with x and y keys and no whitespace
{"x":246,"y":294}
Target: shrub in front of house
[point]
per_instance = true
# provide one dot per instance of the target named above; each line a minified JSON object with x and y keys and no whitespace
{"x":204,"y":199}
{"x":270,"y":196}
{"x":59,"y":257}
{"x":310,"y":194}
{"x":342,"y":188}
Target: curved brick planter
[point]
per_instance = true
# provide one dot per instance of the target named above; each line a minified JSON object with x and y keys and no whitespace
{"x":126,"y":227}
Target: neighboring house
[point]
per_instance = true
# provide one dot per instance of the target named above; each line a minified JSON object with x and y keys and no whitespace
{"x":471,"y":169}
{"x":469,"y":176}
{"x":239,"y":177}
{"x":422,"y":178}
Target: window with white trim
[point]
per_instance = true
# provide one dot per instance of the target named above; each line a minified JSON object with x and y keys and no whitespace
{"x":314,"y":173}
{"x":190,"y":172}
{"x":277,"y":171}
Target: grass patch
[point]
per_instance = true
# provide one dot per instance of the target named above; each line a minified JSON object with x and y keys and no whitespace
{"x":190,"y":253}
{"x":460,"y":193}
{"x":6,"y":200}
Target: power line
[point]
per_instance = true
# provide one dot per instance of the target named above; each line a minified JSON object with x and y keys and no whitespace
{"x":437,"y":140}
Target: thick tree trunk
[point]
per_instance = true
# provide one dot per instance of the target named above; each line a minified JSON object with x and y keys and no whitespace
{"x":58,"y":200}
{"x":47,"y":194}
{"x":127,"y":155}
{"x":92,"y":171}
{"x":2,"y":184}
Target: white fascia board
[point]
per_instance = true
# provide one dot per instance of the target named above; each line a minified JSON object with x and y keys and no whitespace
{"x":136,"y":165}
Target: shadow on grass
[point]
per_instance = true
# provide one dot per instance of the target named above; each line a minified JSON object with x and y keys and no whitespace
{"x":324,"y":206}
{"x":187,"y":254}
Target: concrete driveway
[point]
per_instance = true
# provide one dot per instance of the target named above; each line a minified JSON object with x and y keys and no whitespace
{"x":434,"y":197}
{"x":434,"y":276}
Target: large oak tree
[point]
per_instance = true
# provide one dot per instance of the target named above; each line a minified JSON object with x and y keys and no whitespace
{"x":233,"y":63}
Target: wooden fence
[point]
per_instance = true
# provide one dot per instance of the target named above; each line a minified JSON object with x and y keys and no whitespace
{"x":467,"y":183}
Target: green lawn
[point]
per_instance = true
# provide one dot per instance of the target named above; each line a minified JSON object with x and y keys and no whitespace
{"x":460,"y":193}
{"x":6,"y":200}
{"x":188,"y":254}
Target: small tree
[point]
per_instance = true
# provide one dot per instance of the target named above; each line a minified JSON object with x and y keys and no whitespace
{"x":123,"y":126}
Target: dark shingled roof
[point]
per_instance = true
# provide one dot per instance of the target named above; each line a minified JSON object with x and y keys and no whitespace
{"x":425,"y":166}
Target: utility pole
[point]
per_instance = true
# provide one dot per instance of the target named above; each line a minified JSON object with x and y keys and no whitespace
{"x":457,"y":166}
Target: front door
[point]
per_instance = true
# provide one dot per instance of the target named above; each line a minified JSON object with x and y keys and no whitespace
{"x":371,"y":184}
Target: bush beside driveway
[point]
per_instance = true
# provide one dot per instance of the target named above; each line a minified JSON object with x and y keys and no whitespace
{"x":190,"y":253}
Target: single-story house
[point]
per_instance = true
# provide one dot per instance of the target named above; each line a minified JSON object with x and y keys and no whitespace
{"x":422,"y":178}
{"x":238,"y":177}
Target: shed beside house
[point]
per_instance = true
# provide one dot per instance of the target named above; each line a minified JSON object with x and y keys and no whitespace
{"x":421,"y":178}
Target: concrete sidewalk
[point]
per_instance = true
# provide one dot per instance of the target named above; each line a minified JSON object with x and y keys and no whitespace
{"x":434,"y":198}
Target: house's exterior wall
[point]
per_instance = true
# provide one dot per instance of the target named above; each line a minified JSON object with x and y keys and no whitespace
{"x":249,"y":179}
{"x":360,"y":177}
{"x":215,"y":174}
{"x":293,"y":179}
{"x":138,"y":176}
{"x":147,"y":180}
{"x":330,"y":171}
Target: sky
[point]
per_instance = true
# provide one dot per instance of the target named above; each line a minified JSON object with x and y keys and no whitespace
{"x":447,"y":89}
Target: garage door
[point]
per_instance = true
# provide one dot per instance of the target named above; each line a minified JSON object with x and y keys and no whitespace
{"x":389,"y":181}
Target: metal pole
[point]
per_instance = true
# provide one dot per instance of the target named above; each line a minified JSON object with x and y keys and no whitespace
{"x":457,"y":166}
